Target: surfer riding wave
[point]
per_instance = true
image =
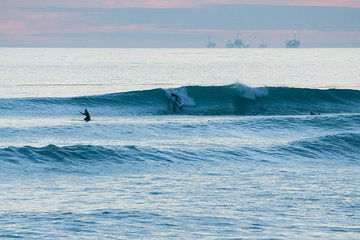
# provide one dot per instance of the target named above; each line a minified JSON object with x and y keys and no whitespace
{"x":176,"y":102}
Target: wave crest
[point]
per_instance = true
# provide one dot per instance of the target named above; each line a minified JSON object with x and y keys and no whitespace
{"x":236,"y":99}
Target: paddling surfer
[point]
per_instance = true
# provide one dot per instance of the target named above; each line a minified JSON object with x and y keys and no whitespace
{"x":86,"y":114}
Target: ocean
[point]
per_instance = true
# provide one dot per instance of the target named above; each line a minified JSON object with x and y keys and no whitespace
{"x":262,"y":143}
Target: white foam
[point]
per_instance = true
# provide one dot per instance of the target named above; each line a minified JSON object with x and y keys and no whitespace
{"x":249,"y":92}
{"x":182,"y":93}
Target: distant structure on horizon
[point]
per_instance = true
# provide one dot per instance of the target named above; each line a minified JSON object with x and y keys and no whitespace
{"x":294,"y":43}
{"x":211,"y":44}
{"x":238,"y":43}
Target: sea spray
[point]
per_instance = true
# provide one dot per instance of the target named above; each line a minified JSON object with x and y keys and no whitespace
{"x":249,"y":92}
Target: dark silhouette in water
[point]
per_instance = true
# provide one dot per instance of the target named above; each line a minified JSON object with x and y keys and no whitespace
{"x":86,"y":114}
{"x":177,"y":104}
{"x":312,"y":113}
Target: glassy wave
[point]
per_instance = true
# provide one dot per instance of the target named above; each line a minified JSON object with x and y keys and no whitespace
{"x":235,"y":99}
{"x":90,"y":157}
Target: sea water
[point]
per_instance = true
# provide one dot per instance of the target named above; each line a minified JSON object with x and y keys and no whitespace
{"x":242,"y":159}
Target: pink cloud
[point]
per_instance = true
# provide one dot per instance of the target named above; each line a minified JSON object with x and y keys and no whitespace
{"x":11,"y":27}
{"x":171,"y":3}
{"x":18,"y":25}
{"x":318,"y":3}
{"x":198,"y":3}
{"x":45,"y":16}
{"x":29,"y":25}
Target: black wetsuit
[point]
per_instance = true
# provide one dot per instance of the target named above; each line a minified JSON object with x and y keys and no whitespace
{"x":176,"y":96}
{"x":87,"y":115}
{"x":176,"y":102}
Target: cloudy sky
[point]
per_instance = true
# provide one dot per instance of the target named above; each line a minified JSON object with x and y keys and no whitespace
{"x":177,"y":23}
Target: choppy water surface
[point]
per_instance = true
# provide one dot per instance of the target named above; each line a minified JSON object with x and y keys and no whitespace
{"x":238,"y":160}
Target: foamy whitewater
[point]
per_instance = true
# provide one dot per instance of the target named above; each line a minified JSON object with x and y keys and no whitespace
{"x":243,"y":158}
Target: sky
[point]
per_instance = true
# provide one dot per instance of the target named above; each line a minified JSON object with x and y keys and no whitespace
{"x":178,"y":23}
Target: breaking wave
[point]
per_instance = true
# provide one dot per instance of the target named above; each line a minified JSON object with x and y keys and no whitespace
{"x":236,"y":99}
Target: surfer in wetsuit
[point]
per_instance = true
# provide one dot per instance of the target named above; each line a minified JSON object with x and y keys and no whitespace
{"x":177,"y":102}
{"x":86,"y":114}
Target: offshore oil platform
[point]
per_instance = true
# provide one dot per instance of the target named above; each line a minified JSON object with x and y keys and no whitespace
{"x":211,"y":44}
{"x":294,"y":43}
{"x":238,"y":43}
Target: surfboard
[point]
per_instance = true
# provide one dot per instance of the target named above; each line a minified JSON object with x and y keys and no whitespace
{"x":79,"y":120}
{"x":179,"y":103}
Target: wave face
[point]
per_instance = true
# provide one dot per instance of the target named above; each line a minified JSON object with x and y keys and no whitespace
{"x":330,"y":147}
{"x":78,"y":158}
{"x":236,"y":99}
{"x":89,"y":158}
